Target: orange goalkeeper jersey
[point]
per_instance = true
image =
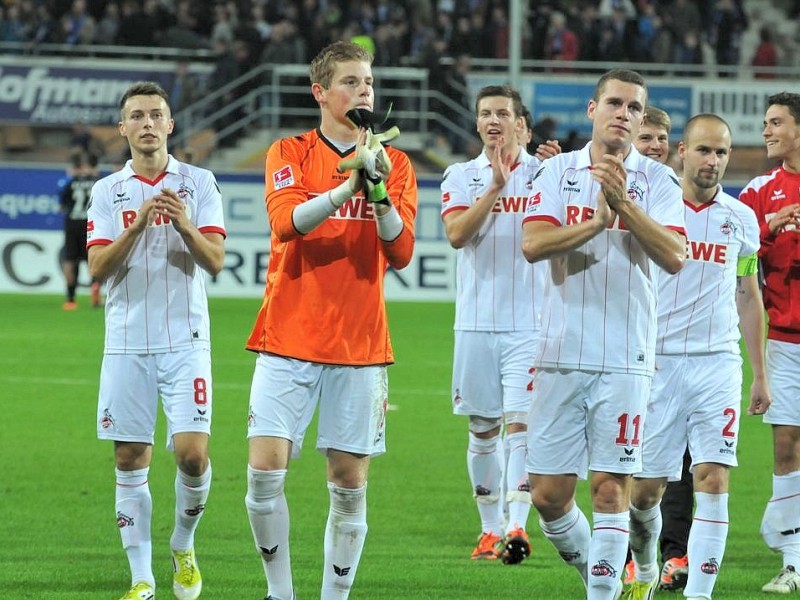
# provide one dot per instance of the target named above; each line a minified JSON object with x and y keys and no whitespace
{"x":324,"y":295}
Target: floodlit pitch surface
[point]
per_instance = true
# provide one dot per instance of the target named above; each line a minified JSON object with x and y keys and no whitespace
{"x":57,"y":520}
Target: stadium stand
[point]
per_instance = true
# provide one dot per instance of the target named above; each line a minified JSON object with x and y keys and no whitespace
{"x":242,"y":45}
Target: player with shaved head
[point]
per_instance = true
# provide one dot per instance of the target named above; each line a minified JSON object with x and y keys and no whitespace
{"x":696,"y":392}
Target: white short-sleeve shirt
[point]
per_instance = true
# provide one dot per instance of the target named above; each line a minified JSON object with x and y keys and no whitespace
{"x":497,"y":289}
{"x":697,"y":306}
{"x":599,"y":309}
{"x":156,"y":301}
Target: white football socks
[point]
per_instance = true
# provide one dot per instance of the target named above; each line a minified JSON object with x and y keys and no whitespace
{"x":269,"y":521}
{"x":570,"y":535}
{"x":191,"y":494}
{"x":345,"y":533}
{"x":706,"y":543}
{"x":486,"y":475}
{"x":645,"y":528}
{"x":518,"y":495}
{"x":780,"y":526}
{"x":607,"y":550}
{"x":134,"y":507}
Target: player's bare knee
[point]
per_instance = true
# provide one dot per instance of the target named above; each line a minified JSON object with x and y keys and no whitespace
{"x":786,"y":442}
{"x":483,"y":427}
{"x":646,"y":493}
{"x":610,"y":492}
{"x":347,"y":470}
{"x":550,"y":498}
{"x":711,"y":478}
{"x":193,"y":462}
{"x":130,"y":456}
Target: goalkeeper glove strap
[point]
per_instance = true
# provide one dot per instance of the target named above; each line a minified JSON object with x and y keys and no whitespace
{"x":375,"y":190}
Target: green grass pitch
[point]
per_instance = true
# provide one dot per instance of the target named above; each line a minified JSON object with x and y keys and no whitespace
{"x":58,"y":535}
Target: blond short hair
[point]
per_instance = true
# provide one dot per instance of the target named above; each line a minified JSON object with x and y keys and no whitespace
{"x":655,"y":117}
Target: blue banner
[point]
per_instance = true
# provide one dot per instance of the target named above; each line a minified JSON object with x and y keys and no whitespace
{"x":566,"y":103}
{"x":29,"y":200}
{"x":52,"y":95}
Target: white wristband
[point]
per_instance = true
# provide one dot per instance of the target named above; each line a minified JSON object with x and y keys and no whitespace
{"x":312,"y":213}
{"x":390,"y":224}
{"x":341,"y":194}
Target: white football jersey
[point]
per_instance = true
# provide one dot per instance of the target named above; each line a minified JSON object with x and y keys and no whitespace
{"x":599,"y":309}
{"x":496,"y":288}
{"x":156,"y":301}
{"x":697,"y":306}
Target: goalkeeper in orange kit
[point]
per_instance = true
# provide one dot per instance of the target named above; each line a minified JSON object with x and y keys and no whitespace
{"x":321,"y":334}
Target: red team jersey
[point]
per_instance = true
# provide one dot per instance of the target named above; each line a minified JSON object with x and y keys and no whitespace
{"x":779,"y":254}
{"x":324,"y":295}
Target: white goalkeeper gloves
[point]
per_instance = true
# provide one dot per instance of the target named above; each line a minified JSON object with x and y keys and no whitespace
{"x":373,"y":161}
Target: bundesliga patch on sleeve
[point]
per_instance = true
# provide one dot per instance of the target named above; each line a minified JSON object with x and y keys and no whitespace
{"x":283,"y":177}
{"x":534,"y":203}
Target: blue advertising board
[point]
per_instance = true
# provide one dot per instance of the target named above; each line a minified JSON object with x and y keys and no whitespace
{"x":566,"y":103}
{"x":29,"y":201}
{"x":48,"y":94}
{"x":29,"y":198}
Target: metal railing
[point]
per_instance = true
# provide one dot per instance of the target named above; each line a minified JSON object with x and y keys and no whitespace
{"x":135,"y":53}
{"x":279,"y":96}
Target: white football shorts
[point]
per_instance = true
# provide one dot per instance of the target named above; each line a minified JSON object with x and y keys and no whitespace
{"x":695,"y":399}
{"x":581,"y":420}
{"x":352,"y":404}
{"x":783,"y":373}
{"x":130,"y":385}
{"x":492,"y":372}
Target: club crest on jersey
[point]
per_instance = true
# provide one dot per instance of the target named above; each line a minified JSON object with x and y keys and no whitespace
{"x":728,"y":227}
{"x":107,"y":421}
{"x":184,"y":191}
{"x":635,"y":193}
{"x":283,"y":177}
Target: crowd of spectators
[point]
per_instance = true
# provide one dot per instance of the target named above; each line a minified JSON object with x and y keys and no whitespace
{"x":399,"y":31}
{"x":241,"y":34}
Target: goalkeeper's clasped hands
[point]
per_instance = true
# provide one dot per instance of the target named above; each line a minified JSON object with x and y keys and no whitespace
{"x":371,"y":164}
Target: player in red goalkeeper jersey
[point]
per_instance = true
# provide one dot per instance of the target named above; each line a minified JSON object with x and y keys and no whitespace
{"x":775,"y":198}
{"x":321,"y":334}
